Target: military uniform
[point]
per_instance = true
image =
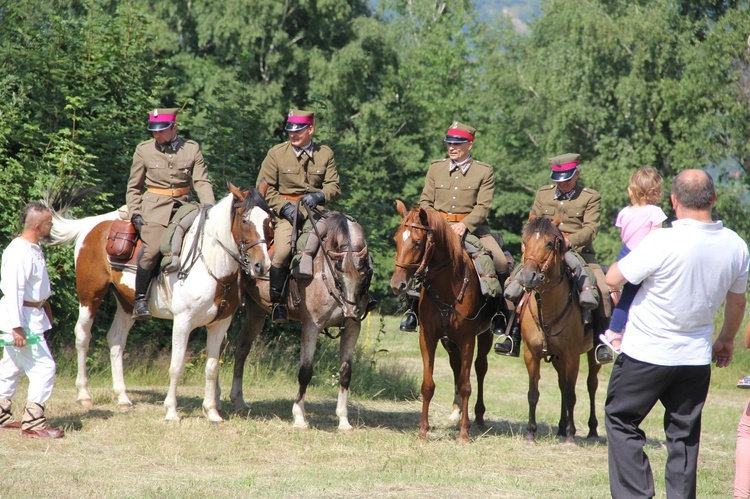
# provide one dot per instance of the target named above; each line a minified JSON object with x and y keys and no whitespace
{"x":290,"y":176}
{"x":158,"y":171}
{"x":160,"y":181}
{"x":461,"y":189}
{"x":295,"y":172}
{"x":468,"y":193}
{"x":580,"y":211}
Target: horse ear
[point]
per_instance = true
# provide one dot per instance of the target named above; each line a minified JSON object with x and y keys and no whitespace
{"x":423,"y":218}
{"x":557,"y":221}
{"x":401,"y":208}
{"x":238,"y":193}
{"x":263,"y":186}
{"x":532,"y":216}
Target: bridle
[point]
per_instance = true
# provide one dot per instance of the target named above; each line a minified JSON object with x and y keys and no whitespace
{"x":545,"y":285}
{"x":545,"y":265}
{"x":421,"y":276}
{"x":244,"y":246}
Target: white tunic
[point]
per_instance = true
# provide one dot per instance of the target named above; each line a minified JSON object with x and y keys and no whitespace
{"x":23,"y":276}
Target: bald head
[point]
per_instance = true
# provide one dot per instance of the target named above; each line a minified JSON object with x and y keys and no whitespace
{"x":694,"y":190}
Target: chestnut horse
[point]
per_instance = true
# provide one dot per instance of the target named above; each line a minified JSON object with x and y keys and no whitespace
{"x":232,"y":236}
{"x":551,"y":325}
{"x":451,"y":308}
{"x":336,"y":296}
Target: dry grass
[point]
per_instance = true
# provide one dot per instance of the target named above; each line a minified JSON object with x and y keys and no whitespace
{"x":136,"y":454}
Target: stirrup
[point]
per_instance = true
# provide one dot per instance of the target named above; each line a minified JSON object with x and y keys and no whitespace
{"x":603,"y":355}
{"x":279,"y":314}
{"x":406,"y":324}
{"x":512,"y":350}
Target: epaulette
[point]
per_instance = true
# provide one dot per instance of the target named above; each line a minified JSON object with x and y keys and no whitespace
{"x":439,"y":160}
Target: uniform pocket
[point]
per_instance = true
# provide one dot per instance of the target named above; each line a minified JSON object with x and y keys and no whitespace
{"x":289,"y":170}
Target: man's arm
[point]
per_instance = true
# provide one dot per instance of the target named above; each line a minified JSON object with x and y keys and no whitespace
{"x":591,"y":218}
{"x":614,"y":277}
{"x":734,"y":312}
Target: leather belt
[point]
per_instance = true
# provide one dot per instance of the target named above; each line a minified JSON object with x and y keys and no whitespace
{"x":175,"y":192}
{"x":453,"y":217}
{"x":34,"y":304}
{"x":292,"y":197}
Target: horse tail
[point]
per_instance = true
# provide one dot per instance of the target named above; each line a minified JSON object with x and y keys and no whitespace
{"x":66,"y":230}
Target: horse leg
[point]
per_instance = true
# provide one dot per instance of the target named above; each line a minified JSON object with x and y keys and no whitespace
{"x":117,"y":338}
{"x":214,"y":337}
{"x":464,"y":388}
{"x":251,"y":327}
{"x":181,"y":328}
{"x":484,"y":344}
{"x":454,"y":358}
{"x":346,"y":348}
{"x":567,"y":374}
{"x":427,"y":346}
{"x":592,"y":383}
{"x":307,"y":352}
{"x":532,"y":367}
{"x":91,"y":288}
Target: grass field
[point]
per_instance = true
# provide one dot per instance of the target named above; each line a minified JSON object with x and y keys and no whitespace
{"x":107,"y":453}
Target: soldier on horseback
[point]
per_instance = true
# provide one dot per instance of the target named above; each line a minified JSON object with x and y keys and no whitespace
{"x":580,"y":209}
{"x":296,"y":170}
{"x":164,"y":170}
{"x":461,"y":189}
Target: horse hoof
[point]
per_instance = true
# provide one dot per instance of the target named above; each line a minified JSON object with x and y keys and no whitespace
{"x":124,"y":407}
{"x":345,"y":426}
{"x":217,"y":424}
{"x":455,"y":416}
{"x":463,"y":440}
{"x":301,"y":426}
{"x":529,"y":439}
{"x":86,"y":403}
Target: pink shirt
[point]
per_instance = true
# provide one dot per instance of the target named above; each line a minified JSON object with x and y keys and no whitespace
{"x":635,"y":222}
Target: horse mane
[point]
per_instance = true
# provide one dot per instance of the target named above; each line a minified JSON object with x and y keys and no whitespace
{"x":338,"y":229}
{"x":219,"y":222}
{"x":542,"y":225}
{"x":255,"y":198}
{"x":442,"y":233}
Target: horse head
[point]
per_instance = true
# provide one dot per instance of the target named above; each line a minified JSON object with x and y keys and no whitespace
{"x":543,"y":249}
{"x":251,"y":219}
{"x":352,"y":265}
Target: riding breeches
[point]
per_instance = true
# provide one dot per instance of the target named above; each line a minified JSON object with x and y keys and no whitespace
{"x":498,"y":257}
{"x":151,"y":235}
{"x":282,"y":242}
{"x":605,"y":305}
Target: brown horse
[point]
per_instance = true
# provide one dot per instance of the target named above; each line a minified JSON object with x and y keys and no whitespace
{"x":451,"y":307}
{"x":231,"y":238}
{"x":336,"y":296}
{"x":551,"y":325}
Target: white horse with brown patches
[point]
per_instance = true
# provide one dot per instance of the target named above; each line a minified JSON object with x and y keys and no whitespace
{"x":232,"y":236}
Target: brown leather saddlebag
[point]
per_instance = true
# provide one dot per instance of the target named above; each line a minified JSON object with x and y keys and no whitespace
{"x":121,"y":240}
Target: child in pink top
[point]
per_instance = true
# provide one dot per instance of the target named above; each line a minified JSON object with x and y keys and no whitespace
{"x":635,"y":222}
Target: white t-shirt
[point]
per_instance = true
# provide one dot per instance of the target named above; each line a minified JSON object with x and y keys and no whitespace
{"x":686,"y":272}
{"x":23,"y":276}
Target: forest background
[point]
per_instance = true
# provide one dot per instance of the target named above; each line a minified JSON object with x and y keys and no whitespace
{"x":625,"y":84}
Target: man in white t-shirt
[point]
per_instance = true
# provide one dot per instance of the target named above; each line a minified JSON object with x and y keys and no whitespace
{"x":687,"y":272}
{"x":25,"y":284}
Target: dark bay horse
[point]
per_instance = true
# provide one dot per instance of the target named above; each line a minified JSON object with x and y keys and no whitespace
{"x":451,"y":307}
{"x":551,"y":325}
{"x":208,"y":296}
{"x":336,"y":296}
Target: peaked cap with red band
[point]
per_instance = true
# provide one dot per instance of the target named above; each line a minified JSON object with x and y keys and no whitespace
{"x":161,"y":119}
{"x":458,"y":133}
{"x":299,"y":120}
{"x":563,"y":167}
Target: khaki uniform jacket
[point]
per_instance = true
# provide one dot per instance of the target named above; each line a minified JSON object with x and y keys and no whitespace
{"x":171,"y":169}
{"x":458,"y":193}
{"x":580,"y":215}
{"x":288,"y":175}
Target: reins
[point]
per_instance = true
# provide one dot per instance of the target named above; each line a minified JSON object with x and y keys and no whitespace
{"x":422,"y":275}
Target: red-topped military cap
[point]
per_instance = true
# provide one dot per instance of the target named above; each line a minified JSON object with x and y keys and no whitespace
{"x":299,"y":120}
{"x":563,"y":167}
{"x":161,"y":119}
{"x":458,"y":133}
